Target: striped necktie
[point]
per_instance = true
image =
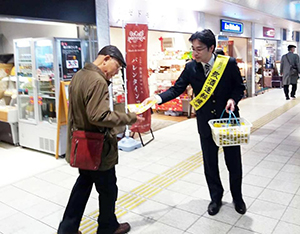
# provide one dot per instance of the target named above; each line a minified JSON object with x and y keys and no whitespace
{"x":207,"y":69}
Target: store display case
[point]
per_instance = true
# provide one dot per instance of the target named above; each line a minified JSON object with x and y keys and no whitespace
{"x":40,"y":66}
{"x":259,"y":75}
{"x":164,"y":74}
{"x":9,"y":124}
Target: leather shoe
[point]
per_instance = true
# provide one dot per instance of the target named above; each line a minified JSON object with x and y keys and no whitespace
{"x":123,"y":228}
{"x":240,"y":207}
{"x":214,"y":207}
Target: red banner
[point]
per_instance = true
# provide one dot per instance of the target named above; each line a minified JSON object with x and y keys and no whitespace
{"x":137,"y":71}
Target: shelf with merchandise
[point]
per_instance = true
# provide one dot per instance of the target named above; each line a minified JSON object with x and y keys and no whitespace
{"x":165,"y":71}
{"x":118,"y":88}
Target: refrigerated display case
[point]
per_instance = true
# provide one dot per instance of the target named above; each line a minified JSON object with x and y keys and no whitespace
{"x":40,"y":66}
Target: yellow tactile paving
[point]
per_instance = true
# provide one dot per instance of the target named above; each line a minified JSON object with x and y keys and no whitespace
{"x":274,"y":114}
{"x":153,"y":186}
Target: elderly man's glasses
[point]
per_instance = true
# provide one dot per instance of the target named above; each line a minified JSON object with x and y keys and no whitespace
{"x":119,"y":67}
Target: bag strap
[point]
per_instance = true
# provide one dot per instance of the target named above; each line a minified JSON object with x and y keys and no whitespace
{"x":230,"y":116}
{"x":288,"y":59}
{"x":290,"y":63}
{"x":72,"y":113}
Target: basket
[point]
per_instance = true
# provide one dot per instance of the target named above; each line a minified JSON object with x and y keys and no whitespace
{"x":230,"y":131}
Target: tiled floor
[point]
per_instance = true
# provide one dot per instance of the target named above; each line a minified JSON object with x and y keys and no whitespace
{"x":34,"y":187}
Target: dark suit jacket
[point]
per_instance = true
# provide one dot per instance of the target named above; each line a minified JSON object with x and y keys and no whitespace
{"x":230,"y":86}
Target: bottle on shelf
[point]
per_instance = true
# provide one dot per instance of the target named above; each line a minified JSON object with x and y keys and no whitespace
{"x":29,"y":111}
{"x":52,"y":112}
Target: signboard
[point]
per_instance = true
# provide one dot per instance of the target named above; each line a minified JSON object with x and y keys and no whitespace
{"x":71,"y":58}
{"x":62,"y":117}
{"x":223,"y":38}
{"x":136,"y":36}
{"x":231,"y":26}
{"x":268,"y":32}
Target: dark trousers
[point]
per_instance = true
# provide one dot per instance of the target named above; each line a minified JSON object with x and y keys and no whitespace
{"x":211,"y":169}
{"x":286,"y":90}
{"x":105,"y":182}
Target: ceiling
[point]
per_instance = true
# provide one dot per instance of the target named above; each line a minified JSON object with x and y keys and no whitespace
{"x":257,"y":11}
{"x":269,"y":13}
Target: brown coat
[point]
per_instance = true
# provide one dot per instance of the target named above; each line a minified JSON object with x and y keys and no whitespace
{"x":89,"y":103}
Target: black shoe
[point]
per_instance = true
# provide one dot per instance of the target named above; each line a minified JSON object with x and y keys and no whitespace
{"x":123,"y":228}
{"x":240,"y":207}
{"x":214,"y":207}
{"x":287,"y":98}
{"x":293,"y":97}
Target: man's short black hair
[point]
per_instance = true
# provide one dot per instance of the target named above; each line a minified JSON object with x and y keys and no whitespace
{"x":220,"y":51}
{"x":206,"y":36}
{"x":291,"y":47}
{"x":114,"y":52}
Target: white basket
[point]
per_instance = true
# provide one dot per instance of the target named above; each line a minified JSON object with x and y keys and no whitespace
{"x":229,"y":132}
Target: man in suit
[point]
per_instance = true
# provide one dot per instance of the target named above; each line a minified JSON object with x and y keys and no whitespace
{"x":227,"y":94}
{"x":289,"y":69}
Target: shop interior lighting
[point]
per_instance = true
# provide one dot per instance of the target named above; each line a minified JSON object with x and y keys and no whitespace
{"x":23,"y":43}
{"x":43,"y":43}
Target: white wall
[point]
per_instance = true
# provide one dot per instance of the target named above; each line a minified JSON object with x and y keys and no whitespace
{"x":239,"y":47}
{"x":11,"y":31}
{"x":158,"y":15}
{"x":259,"y":32}
{"x":117,"y":39}
{"x":181,"y":40}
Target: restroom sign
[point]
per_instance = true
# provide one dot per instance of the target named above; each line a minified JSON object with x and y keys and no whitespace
{"x":231,"y":26}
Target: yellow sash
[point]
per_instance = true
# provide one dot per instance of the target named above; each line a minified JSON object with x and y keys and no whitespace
{"x":211,"y":82}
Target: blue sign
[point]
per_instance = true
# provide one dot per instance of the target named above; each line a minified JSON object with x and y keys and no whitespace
{"x":232,"y":27}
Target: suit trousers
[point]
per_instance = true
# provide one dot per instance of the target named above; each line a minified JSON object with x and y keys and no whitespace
{"x":105,"y":183}
{"x":211,"y":169}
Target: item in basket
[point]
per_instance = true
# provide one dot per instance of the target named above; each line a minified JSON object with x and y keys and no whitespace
{"x":223,"y":125}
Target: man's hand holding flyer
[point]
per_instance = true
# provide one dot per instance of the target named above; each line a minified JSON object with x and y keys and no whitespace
{"x":140,"y":108}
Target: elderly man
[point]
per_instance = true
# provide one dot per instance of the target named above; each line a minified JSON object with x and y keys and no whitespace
{"x":289,"y":69}
{"x":89,"y":111}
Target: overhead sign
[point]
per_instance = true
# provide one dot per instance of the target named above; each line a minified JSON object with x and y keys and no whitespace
{"x":268,"y":32}
{"x":231,"y":26}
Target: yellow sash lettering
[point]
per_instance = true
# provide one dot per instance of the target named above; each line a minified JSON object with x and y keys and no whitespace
{"x":211,"y":82}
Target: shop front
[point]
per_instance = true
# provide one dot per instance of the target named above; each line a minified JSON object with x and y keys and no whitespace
{"x":45,"y":50}
{"x":168,"y":47}
{"x":267,"y":54}
{"x":233,"y":37}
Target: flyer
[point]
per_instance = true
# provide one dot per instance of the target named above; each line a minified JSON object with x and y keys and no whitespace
{"x":139,"y":108}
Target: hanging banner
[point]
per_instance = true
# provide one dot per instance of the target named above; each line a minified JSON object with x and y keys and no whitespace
{"x":137,"y":71}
